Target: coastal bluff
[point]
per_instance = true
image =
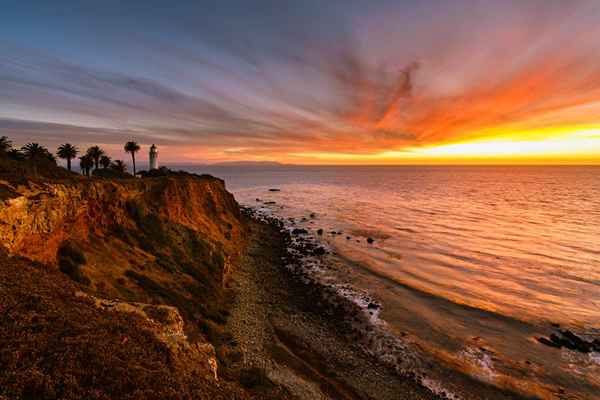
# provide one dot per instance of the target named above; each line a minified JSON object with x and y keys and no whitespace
{"x":116,"y":288}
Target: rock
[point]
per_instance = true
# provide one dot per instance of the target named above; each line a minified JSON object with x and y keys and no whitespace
{"x":373,"y":306}
{"x":370,"y":240}
{"x":319,"y":251}
{"x":319,"y":232}
{"x":348,"y":238}
{"x":274,"y":190}
{"x":547,"y":342}
{"x":270,"y":202}
{"x":312,"y":215}
{"x":571,"y":341}
{"x":299,"y":231}
{"x":258,"y":200}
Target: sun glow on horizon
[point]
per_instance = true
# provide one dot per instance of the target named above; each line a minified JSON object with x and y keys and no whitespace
{"x":579,"y":146}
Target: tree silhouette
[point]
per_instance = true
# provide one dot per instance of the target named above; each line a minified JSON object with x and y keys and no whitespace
{"x":15,"y":154}
{"x":119,"y":166}
{"x":34,"y":152}
{"x":95,"y":152}
{"x":67,"y":152}
{"x":86,"y":163}
{"x":5,"y":144}
{"x":105,"y":161}
{"x":132,"y":147}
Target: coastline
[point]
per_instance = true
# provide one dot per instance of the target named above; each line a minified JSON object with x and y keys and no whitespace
{"x":299,"y":343}
{"x":253,"y":304}
{"x":310,"y":340}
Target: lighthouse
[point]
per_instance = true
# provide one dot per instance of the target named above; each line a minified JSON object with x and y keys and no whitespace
{"x":153,"y":157}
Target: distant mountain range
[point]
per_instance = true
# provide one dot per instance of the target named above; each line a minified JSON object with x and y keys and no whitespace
{"x":248,"y":164}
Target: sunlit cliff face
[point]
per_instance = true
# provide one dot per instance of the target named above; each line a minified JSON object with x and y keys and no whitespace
{"x":352,"y":82}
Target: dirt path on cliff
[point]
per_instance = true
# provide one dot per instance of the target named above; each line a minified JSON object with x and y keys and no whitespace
{"x":277,"y":331}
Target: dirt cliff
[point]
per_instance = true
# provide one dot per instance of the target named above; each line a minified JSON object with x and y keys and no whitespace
{"x":113,"y":288}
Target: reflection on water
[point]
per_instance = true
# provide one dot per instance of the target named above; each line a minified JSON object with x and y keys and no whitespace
{"x":465,"y":258}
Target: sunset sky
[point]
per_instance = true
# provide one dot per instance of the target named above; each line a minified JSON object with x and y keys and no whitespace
{"x":307,"y":82}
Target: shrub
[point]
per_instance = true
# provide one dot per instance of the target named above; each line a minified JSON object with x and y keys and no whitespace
{"x":70,"y":258}
{"x":69,"y":250}
{"x":253,"y":377}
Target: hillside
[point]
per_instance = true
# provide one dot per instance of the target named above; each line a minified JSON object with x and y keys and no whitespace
{"x":115,"y":288}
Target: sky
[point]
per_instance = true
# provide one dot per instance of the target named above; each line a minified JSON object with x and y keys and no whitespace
{"x":307,"y":82}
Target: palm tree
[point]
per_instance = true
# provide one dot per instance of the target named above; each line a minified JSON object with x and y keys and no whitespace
{"x":35,"y":152}
{"x":5,"y":145}
{"x":86,"y":163}
{"x":67,"y":152}
{"x":95,"y":152}
{"x":105,"y":161}
{"x":119,"y":166}
{"x":15,"y":154}
{"x":132,"y":147}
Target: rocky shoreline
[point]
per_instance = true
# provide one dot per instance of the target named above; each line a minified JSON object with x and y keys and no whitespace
{"x":304,"y":301}
{"x":294,"y":333}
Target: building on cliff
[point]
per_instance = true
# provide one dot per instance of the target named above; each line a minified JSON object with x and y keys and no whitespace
{"x":153,"y":157}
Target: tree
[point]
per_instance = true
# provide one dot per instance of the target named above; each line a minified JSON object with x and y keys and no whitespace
{"x":15,"y":154}
{"x":35,"y":153}
{"x":5,"y":145}
{"x":119,"y":166}
{"x":67,"y":152}
{"x":86,"y":163}
{"x":95,"y":152}
{"x":105,"y":161}
{"x":132,"y":147}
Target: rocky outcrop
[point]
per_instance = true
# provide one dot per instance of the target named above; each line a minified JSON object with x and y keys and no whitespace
{"x":167,"y":325}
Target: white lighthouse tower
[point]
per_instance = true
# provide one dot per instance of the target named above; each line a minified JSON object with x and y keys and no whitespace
{"x":153,"y":157}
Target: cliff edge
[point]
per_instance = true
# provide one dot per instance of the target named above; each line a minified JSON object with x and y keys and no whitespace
{"x":113,"y":288}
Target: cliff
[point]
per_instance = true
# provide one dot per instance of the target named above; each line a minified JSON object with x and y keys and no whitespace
{"x":113,"y":288}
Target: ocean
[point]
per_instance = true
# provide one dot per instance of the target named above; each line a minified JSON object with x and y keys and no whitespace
{"x":470,"y":264}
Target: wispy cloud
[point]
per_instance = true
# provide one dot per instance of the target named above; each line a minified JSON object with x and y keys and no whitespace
{"x":392,"y":77}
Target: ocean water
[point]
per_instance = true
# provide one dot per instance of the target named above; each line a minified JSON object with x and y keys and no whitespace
{"x":470,"y":264}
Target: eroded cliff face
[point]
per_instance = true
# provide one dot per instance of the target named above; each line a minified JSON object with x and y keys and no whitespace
{"x":154,"y":252}
{"x":36,"y":218}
